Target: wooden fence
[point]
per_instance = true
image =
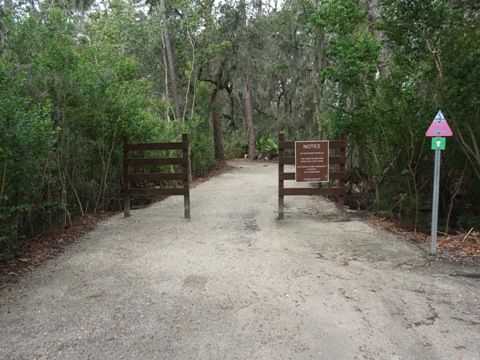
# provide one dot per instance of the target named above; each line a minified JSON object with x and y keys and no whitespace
{"x":131,"y":178}
{"x":337,"y":173}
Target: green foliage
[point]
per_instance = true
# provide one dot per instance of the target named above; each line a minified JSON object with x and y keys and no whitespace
{"x":235,"y":144}
{"x":201,"y":147}
{"x":429,"y":63}
{"x":468,"y":221}
{"x":268,"y":146}
{"x":27,"y":140}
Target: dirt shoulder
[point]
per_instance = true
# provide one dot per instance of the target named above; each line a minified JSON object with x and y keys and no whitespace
{"x":38,"y":250}
{"x":234,"y":282}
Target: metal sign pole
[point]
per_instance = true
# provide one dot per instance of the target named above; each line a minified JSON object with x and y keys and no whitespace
{"x":436,"y":186}
{"x":438,"y":130}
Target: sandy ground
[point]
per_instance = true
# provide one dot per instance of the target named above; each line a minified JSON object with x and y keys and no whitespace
{"x":236,"y":283}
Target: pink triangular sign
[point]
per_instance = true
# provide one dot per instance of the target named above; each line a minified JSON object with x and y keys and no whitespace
{"x":439,"y":127}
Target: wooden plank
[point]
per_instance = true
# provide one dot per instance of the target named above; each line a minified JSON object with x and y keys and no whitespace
{"x":156,"y":161}
{"x":156,"y":146}
{"x":284,"y":145}
{"x":338,"y":175}
{"x":286,"y":160}
{"x":156,"y":192}
{"x":156,"y":176}
{"x":312,"y":191}
{"x":338,"y":160}
{"x":287,"y":176}
{"x":337,"y":144}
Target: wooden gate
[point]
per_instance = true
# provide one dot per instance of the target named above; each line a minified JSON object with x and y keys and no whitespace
{"x":132,"y":177}
{"x":337,"y":173}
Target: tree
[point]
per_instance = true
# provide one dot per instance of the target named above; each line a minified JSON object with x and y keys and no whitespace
{"x":27,"y":140}
{"x":170,"y":63}
{"x":244,"y":56}
{"x":215,"y":66}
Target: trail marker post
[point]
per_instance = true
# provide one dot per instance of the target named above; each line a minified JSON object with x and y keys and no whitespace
{"x":438,"y":130}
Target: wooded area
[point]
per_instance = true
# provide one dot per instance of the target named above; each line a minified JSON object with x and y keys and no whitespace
{"x":77,"y":76}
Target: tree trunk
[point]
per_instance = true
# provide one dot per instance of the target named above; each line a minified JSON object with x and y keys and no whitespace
{"x":3,"y":28}
{"x":170,"y":63}
{"x":217,"y":126}
{"x":315,"y":84}
{"x":215,"y":74}
{"x":247,"y":99}
{"x":374,"y":16}
{"x":249,"y":116}
{"x":3,"y":32}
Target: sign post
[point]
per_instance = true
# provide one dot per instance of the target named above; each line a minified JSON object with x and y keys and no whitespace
{"x":438,"y":130}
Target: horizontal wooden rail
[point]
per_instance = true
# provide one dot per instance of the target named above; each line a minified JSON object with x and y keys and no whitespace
{"x":155,"y":161}
{"x":156,"y":191}
{"x":156,"y":146}
{"x":156,"y":176}
{"x":312,"y":191}
{"x":337,"y":144}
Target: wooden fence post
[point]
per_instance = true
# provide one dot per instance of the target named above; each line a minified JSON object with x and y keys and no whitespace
{"x":126,"y":183}
{"x":341,"y":197}
{"x":281,"y":199}
{"x":186,"y":169}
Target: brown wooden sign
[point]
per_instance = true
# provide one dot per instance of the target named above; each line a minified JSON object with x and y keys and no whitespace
{"x":311,"y":161}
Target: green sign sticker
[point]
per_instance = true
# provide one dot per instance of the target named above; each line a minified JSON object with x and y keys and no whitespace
{"x":438,"y":143}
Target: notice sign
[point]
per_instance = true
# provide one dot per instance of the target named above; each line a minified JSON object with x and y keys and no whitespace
{"x":311,"y":161}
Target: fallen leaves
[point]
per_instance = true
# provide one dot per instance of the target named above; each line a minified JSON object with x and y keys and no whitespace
{"x":462,"y":244}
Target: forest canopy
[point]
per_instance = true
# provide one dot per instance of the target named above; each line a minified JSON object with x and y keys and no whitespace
{"x":76,"y":76}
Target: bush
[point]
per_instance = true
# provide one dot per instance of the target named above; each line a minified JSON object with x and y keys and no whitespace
{"x":267,"y":146}
{"x":202,"y":156}
{"x":27,"y":138}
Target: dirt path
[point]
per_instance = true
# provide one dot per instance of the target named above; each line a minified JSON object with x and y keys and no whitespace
{"x":235,"y":283}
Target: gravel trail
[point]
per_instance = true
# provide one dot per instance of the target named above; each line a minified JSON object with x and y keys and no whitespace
{"x":236,"y":283}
